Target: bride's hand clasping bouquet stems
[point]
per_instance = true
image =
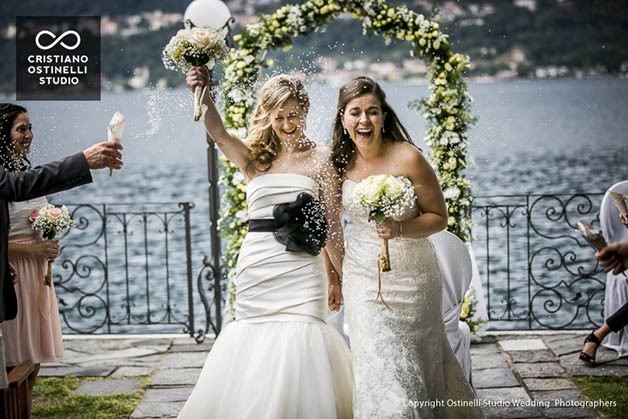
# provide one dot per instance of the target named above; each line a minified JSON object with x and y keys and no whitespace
{"x":383,"y":196}
{"x":193,"y":48}
{"x":51,"y":220}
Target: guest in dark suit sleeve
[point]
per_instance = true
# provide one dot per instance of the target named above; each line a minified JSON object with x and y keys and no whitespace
{"x":60,"y":175}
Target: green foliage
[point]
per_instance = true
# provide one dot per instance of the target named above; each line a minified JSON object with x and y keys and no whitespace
{"x":54,"y":398}
{"x":606,"y":389}
{"x":576,"y":34}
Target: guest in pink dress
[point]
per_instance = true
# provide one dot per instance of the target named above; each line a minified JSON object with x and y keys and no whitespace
{"x":35,"y":334}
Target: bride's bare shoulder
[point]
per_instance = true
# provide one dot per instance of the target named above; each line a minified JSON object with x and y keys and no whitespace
{"x":408,"y":153}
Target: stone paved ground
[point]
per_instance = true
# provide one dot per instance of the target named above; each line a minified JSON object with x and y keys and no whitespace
{"x":515,"y":375}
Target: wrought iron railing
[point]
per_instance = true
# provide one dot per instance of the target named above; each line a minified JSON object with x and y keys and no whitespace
{"x":538,"y":273}
{"x":129,"y":268}
{"x":126,"y":268}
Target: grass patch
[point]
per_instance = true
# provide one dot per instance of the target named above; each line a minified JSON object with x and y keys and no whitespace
{"x":606,"y":389}
{"x":54,"y":398}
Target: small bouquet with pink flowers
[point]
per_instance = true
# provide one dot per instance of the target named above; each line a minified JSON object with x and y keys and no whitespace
{"x":51,"y":220}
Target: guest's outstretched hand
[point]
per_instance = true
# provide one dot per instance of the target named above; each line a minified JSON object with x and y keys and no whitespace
{"x":105,"y":154}
{"x":614,"y":257}
{"x":197,"y":76}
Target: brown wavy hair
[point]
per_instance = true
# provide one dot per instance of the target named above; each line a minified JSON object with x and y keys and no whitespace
{"x":342,"y":148}
{"x":262,"y":141}
{"x":8,"y":113}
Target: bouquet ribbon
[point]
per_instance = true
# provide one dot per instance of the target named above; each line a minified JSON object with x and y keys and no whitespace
{"x":383,"y":265}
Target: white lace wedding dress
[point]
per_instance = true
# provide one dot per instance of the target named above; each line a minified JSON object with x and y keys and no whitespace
{"x":278,"y":359}
{"x":401,"y":356}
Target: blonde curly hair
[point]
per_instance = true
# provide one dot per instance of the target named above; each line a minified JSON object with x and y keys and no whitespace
{"x":263,"y":144}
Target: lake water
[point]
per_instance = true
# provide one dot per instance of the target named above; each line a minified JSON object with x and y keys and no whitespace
{"x":531,"y":135}
{"x":540,"y":136}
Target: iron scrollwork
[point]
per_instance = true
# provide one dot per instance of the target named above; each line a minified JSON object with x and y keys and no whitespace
{"x":114,"y":273}
{"x":539,"y":264}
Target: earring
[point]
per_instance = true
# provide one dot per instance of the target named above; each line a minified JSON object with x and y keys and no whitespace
{"x":345,"y":130}
{"x":383,"y":130}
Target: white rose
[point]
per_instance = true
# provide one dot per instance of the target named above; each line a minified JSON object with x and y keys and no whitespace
{"x":371,"y":193}
{"x":393,"y":187}
{"x":238,"y":178}
{"x":241,"y":215}
{"x":451,"y":193}
{"x":200,"y":38}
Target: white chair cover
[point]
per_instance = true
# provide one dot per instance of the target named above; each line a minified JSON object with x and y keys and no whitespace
{"x":481,"y":310}
{"x":616,"y":294}
{"x":456,"y":268}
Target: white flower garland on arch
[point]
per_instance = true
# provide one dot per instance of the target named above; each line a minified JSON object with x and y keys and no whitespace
{"x":446,"y":109}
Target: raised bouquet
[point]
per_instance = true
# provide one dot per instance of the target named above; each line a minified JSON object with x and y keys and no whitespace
{"x":382,"y":197}
{"x":51,"y":220}
{"x":195,"y":47}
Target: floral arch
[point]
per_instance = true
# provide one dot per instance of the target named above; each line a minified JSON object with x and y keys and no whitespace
{"x":446,"y":109}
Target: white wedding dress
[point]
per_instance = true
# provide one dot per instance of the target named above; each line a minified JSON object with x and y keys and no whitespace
{"x":401,"y":355}
{"x":278,"y":359}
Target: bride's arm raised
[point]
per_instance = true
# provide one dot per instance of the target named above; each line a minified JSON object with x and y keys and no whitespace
{"x":230,"y":145}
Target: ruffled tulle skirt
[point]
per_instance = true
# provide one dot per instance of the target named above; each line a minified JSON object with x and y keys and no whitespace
{"x":295,"y":368}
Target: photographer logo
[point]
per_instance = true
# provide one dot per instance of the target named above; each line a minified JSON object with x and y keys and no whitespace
{"x":58,"y":40}
{"x":57,"y":58}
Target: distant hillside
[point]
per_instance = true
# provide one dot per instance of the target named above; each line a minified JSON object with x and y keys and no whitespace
{"x":520,"y":38}
{"x":580,"y":35}
{"x":11,"y":8}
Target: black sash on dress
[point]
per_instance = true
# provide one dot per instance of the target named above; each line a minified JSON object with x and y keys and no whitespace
{"x":299,"y":225}
{"x":262,"y":225}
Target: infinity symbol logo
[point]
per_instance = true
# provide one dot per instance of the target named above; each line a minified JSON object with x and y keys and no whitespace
{"x":56,"y":40}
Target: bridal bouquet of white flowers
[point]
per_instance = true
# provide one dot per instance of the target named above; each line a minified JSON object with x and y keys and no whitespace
{"x":50,"y":220}
{"x":195,"y":47}
{"x":383,"y":196}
